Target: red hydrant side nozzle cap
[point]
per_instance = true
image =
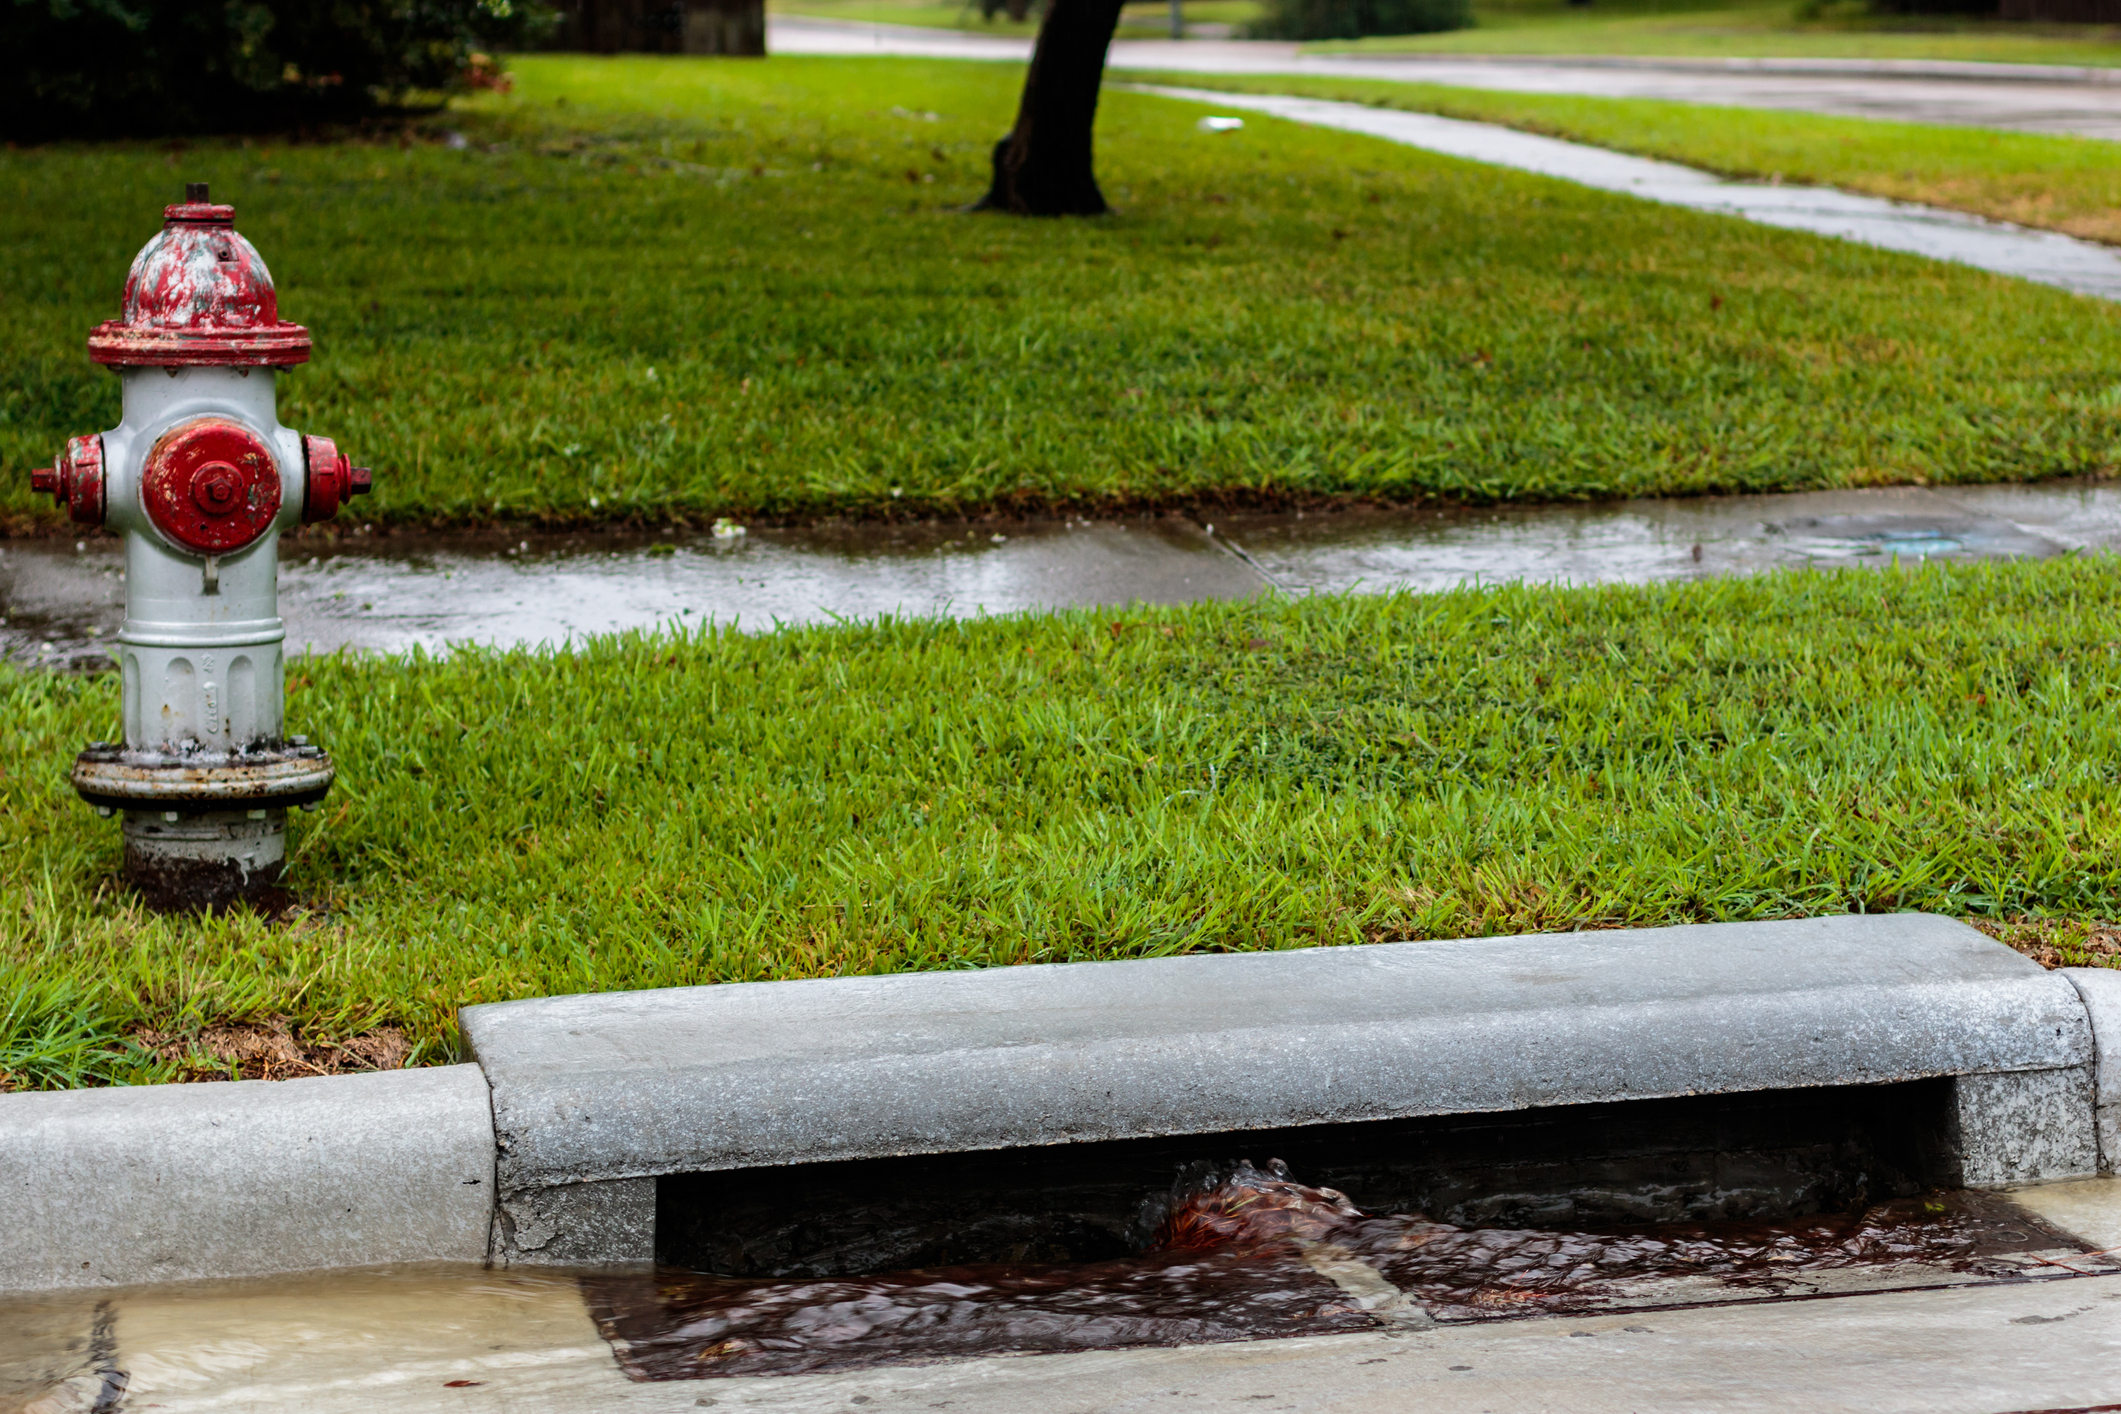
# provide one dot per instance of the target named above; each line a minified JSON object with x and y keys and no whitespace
{"x":75,"y":479}
{"x":332,"y":479}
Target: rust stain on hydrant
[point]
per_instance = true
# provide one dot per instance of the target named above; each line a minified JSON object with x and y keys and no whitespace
{"x":200,"y":477}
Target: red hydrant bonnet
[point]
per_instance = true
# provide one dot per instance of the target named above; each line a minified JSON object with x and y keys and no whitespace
{"x":199,"y":294}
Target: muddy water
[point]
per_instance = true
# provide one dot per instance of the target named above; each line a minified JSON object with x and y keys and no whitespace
{"x":1250,"y":1253}
{"x":61,"y":600}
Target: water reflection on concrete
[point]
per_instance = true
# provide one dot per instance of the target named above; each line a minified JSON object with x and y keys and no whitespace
{"x":64,"y":599}
{"x":61,"y":600}
{"x":1647,"y":541}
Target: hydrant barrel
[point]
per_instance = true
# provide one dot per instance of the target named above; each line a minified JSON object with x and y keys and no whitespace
{"x":200,"y":478}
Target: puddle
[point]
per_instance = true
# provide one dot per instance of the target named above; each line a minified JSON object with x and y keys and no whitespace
{"x":61,"y":600}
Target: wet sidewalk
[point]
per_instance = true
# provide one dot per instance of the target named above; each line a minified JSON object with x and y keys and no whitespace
{"x":2021,"y":97}
{"x":2041,"y":256}
{"x":61,"y":600}
{"x":441,"y":1338}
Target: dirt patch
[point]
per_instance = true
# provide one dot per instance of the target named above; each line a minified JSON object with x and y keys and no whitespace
{"x":271,"y":1050}
{"x":2059,"y":942}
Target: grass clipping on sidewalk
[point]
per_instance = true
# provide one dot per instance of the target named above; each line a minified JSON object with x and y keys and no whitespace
{"x":654,"y":287}
{"x":662,"y":810}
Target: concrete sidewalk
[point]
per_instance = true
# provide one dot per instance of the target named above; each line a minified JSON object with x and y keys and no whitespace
{"x":2043,"y":100}
{"x":2044,"y":257}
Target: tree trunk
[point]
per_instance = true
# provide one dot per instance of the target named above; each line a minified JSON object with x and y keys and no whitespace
{"x":1043,"y":167}
{"x":725,"y":27}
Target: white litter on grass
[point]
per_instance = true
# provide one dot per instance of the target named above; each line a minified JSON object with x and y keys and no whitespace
{"x":2045,"y":257}
{"x":726,"y":529}
{"x":1220,"y":125}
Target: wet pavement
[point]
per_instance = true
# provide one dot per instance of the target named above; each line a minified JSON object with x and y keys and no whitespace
{"x":2045,"y":257}
{"x":1984,"y":95}
{"x":61,"y":600}
{"x":1649,"y":541}
{"x":1988,"y":1309}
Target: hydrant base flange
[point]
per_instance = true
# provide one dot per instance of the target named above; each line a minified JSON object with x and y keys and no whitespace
{"x":113,"y":777}
{"x":207,"y":862}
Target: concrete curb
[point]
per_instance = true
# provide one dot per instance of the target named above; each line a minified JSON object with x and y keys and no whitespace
{"x":593,"y":1098}
{"x":2101,"y":989}
{"x":597,"y":1096}
{"x":173,"y":1182}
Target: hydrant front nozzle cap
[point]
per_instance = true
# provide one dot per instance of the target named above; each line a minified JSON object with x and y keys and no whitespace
{"x":360,"y":481}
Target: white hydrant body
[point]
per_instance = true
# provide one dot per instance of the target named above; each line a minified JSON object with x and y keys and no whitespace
{"x":201,"y":478}
{"x":201,"y":670}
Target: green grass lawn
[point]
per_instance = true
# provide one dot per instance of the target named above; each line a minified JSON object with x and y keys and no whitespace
{"x":913,"y":794}
{"x":684,"y":287}
{"x":1748,"y":28}
{"x":2061,"y":183}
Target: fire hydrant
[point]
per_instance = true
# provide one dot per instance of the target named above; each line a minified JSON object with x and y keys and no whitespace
{"x":201,"y":478}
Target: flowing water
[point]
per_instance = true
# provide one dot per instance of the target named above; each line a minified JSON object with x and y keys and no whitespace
{"x":1239,"y":1254}
{"x":1247,"y":1253}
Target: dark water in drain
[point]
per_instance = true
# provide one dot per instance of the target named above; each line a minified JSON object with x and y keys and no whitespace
{"x":1246,"y":1253}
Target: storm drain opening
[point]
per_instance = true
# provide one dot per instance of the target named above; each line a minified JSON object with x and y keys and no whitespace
{"x":1388,"y":1225}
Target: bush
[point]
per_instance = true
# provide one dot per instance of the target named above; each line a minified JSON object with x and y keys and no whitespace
{"x":1352,"y":19}
{"x":110,"y":68}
